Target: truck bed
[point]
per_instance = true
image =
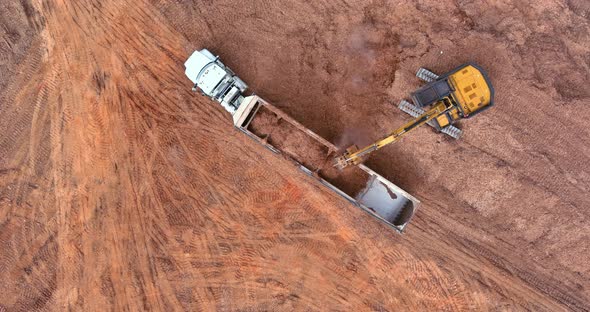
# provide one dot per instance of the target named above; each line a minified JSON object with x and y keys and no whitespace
{"x":314,"y":155}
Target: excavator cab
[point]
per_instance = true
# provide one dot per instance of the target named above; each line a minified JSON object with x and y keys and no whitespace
{"x":467,"y":88}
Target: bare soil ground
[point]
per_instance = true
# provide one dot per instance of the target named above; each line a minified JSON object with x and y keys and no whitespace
{"x":122,"y":190}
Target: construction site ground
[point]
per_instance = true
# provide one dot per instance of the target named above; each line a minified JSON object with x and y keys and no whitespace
{"x":120,"y":189}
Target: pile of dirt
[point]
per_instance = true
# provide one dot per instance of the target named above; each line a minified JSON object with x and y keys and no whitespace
{"x":307,"y":151}
{"x":289,"y":139}
{"x":351,"y":180}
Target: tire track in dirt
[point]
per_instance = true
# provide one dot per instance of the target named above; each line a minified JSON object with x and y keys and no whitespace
{"x":159,"y":204}
{"x":499,"y":256}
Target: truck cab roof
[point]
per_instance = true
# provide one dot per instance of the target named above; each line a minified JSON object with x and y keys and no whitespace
{"x":202,"y":69}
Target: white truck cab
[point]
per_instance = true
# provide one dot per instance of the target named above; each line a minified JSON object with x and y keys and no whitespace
{"x":213,"y":79}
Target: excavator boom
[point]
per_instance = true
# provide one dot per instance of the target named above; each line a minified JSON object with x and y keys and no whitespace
{"x":353,"y":156}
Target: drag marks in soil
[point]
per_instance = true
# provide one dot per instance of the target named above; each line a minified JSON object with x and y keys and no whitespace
{"x":125,"y":190}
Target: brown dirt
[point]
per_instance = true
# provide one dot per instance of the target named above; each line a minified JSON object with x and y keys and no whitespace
{"x":289,"y":139}
{"x":307,"y":151}
{"x":351,"y":181}
{"x":120,"y":189}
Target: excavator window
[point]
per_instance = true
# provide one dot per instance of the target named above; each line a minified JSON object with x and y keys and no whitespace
{"x":431,"y":93}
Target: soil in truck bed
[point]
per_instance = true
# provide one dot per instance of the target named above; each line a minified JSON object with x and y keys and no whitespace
{"x":303,"y":148}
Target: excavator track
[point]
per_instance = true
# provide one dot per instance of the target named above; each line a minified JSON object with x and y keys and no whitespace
{"x":426,"y":75}
{"x":415,"y":111}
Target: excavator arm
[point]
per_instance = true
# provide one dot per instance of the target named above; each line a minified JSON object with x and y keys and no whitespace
{"x":353,"y":156}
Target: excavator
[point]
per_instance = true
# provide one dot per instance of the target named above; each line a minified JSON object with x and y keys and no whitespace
{"x":444,"y":100}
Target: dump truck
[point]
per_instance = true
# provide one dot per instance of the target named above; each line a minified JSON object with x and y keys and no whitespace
{"x":284,"y":136}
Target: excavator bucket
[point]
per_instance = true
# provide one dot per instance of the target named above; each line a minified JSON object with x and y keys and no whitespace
{"x":341,"y":162}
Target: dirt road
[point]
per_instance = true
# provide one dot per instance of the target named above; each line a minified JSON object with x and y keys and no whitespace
{"x":122,"y":190}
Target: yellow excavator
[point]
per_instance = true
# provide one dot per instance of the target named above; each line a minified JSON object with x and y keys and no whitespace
{"x":461,"y":93}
